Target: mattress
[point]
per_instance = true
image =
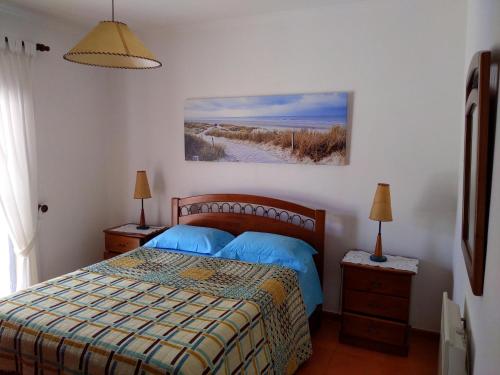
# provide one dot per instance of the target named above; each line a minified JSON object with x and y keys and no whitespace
{"x":151,"y":311}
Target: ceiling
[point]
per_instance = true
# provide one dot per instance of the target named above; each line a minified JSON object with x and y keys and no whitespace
{"x":144,"y":14}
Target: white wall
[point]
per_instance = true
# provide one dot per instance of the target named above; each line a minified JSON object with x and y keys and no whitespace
{"x":71,"y":114}
{"x":402,"y":59}
{"x":482,"y":312}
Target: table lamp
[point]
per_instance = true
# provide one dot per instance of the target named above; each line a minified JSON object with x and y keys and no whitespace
{"x":381,"y":211}
{"x":142,"y":192}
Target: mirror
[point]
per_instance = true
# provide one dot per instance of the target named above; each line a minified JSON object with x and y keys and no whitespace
{"x":472,"y":139}
{"x":478,"y":154}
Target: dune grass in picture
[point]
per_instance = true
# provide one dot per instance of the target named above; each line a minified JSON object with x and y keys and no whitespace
{"x":308,"y":128}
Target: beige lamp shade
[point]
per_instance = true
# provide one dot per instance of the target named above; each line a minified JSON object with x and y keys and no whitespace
{"x":112,"y":44}
{"x":381,"y":207}
{"x":142,"y":186}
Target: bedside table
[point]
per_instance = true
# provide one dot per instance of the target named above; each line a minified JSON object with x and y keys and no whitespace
{"x":123,"y":238}
{"x":376,"y":302}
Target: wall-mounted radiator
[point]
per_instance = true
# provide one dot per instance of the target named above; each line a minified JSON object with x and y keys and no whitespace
{"x":453,"y":345}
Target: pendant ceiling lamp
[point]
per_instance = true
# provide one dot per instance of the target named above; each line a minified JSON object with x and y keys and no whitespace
{"x":112,"y":44}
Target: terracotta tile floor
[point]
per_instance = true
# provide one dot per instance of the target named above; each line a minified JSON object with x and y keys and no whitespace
{"x":332,"y":357}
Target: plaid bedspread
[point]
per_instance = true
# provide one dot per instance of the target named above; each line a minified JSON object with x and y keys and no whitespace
{"x":153,"y":312}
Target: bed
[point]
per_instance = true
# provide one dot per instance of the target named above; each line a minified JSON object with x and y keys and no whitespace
{"x":160,"y":312}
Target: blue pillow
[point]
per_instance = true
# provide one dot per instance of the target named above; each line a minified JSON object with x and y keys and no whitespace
{"x":269,"y":248}
{"x":191,"y":238}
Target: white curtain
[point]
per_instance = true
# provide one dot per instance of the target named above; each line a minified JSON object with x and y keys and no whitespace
{"x":18,"y":170}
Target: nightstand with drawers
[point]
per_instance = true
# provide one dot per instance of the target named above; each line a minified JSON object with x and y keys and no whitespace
{"x":376,"y":302}
{"x":123,"y":238}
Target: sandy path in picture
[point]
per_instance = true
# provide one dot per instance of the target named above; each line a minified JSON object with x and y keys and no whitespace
{"x":242,"y":151}
{"x":239,"y":151}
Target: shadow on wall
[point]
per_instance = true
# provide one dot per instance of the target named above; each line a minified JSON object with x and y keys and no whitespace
{"x":339,"y":228}
{"x":435,"y":212}
{"x":160,"y":193}
{"x":436,"y":207}
{"x":430,"y":274}
{"x":350,"y":116}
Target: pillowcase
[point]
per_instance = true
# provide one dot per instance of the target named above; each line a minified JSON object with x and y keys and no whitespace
{"x":202,"y":240}
{"x":269,"y":248}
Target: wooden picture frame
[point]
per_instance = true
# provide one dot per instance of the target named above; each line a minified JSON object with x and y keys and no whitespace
{"x":477,"y":168}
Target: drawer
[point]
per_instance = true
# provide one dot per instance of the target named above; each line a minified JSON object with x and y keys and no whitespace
{"x":374,"y":329}
{"x":383,"y":282}
{"x":120,"y":244}
{"x":376,"y":304}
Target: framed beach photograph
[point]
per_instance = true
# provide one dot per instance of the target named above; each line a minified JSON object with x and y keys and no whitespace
{"x":296,"y":128}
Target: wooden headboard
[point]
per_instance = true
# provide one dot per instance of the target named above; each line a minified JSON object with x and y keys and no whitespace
{"x":237,"y":213}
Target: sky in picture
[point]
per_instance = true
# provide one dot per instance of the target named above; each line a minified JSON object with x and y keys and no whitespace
{"x":301,"y":105}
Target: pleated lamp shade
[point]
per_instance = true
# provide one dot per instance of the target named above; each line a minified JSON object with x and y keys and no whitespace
{"x":142,"y":186}
{"x":381,"y":207}
{"x":112,"y":44}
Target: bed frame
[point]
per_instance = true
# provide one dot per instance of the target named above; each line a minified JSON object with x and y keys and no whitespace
{"x":237,"y":213}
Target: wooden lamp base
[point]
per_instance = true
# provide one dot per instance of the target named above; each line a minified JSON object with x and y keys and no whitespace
{"x":142,"y":223}
{"x":377,"y":256}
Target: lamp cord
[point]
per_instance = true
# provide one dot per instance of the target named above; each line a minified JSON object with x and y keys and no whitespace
{"x":113,"y":10}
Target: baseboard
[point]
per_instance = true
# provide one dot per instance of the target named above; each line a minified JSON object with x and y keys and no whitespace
{"x":330,"y":315}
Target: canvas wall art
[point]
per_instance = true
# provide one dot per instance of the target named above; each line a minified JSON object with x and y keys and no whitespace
{"x":299,"y":128}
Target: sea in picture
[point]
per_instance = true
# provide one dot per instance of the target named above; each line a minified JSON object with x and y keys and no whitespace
{"x":299,"y":128}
